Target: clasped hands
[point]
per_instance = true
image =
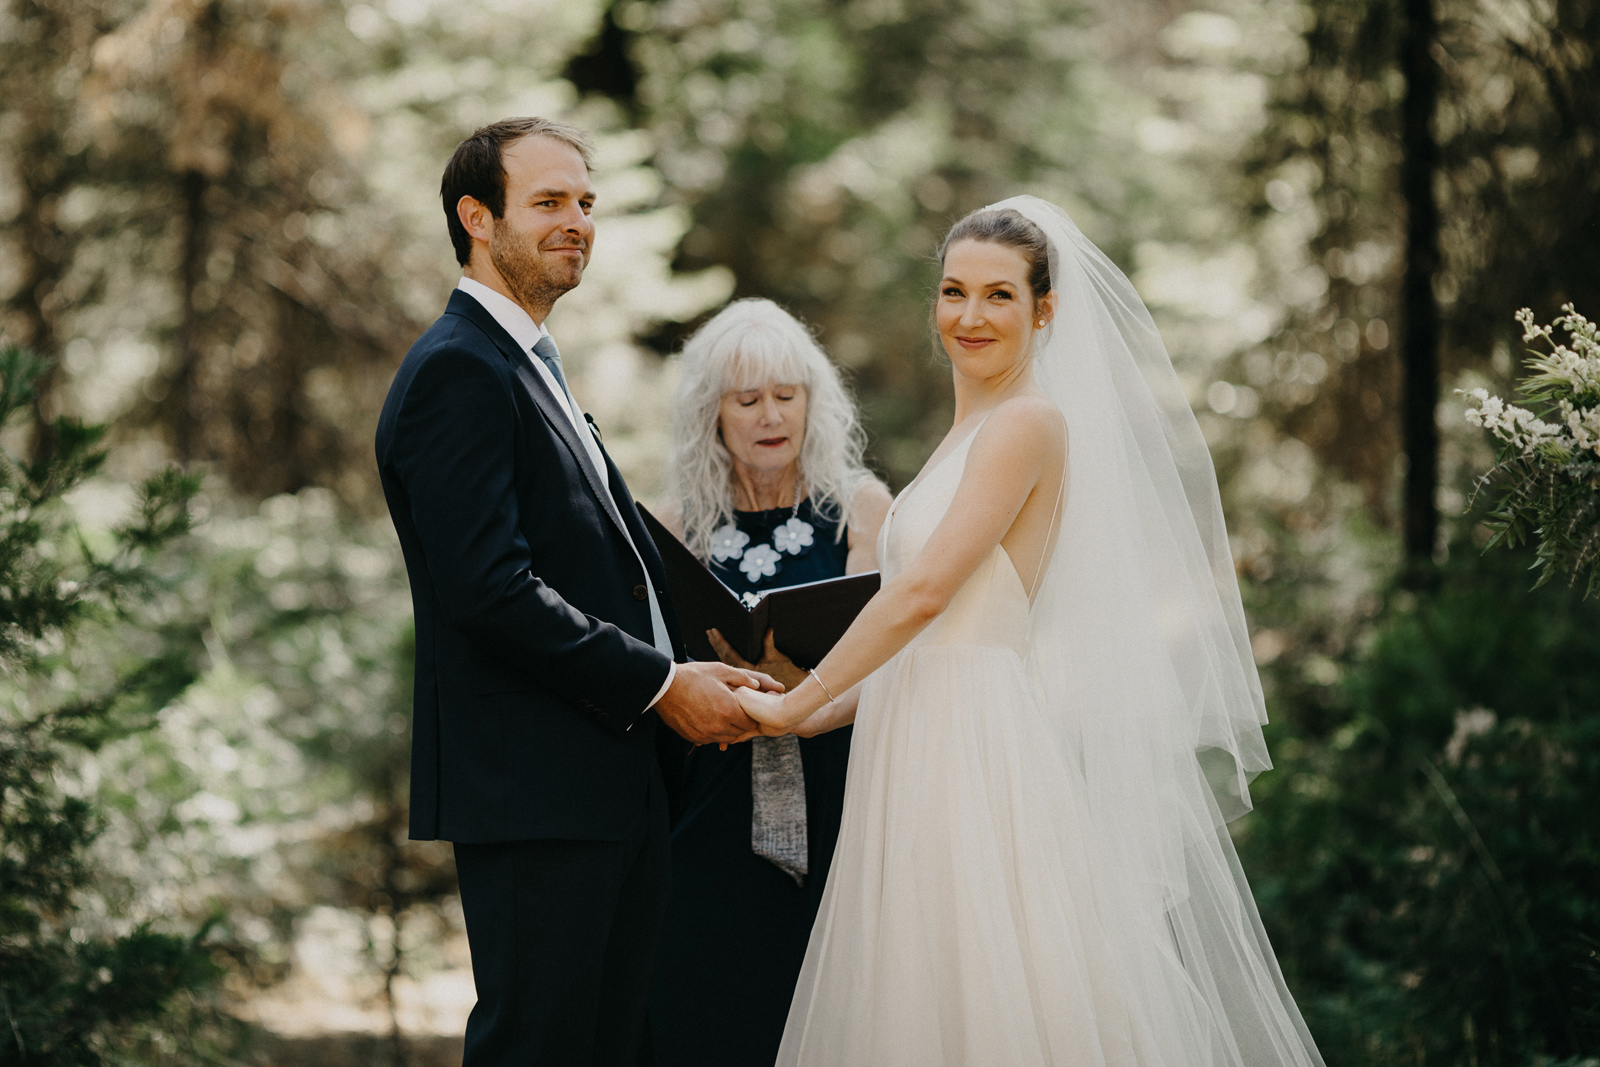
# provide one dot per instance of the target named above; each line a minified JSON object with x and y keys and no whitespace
{"x":732,"y":701}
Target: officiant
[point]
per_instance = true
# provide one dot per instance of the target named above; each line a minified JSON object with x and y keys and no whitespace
{"x":765,"y":483}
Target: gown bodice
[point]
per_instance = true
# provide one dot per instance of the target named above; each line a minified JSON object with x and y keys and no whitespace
{"x":991,"y":609}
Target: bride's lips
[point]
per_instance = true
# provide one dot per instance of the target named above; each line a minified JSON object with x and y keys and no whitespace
{"x":972,"y":343}
{"x":772,"y":442}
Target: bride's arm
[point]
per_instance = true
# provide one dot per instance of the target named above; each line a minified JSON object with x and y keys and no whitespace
{"x":1011,"y":453}
{"x":830,"y":716}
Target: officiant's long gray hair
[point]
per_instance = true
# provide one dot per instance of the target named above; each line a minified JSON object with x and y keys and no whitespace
{"x":751,"y":344}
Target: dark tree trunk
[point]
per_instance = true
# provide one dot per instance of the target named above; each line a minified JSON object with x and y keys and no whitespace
{"x":185,"y":386}
{"x":46,"y":172}
{"x":1419,"y":350}
{"x":43,"y":256}
{"x":606,"y":66}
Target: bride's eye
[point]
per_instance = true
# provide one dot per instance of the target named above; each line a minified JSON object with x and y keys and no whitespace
{"x":951,"y":291}
{"x":1001,"y":294}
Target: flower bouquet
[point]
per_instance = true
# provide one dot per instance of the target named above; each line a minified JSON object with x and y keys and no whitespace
{"x":1548,"y":474}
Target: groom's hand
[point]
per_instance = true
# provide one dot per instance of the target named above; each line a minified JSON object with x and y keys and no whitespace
{"x":700,"y":705}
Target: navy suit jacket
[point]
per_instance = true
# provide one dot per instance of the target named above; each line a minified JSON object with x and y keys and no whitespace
{"x":535,"y":658}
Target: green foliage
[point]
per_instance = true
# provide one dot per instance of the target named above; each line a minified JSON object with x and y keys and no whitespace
{"x":1519,"y":86}
{"x":1555,"y":507}
{"x":823,"y":149}
{"x":273,"y":794}
{"x":248,"y":191}
{"x":73,"y":988}
{"x":182,"y":150}
{"x":1425,"y":855}
{"x":1548,"y":474}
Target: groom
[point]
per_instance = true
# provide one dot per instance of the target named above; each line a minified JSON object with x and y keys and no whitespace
{"x":544,"y":636}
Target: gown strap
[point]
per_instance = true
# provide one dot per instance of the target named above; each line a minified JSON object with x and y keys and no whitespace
{"x":1061,"y":493}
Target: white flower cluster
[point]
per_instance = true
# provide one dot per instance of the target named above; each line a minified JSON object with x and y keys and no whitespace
{"x":1518,"y":427}
{"x":1577,"y":368}
{"x":1569,"y":377}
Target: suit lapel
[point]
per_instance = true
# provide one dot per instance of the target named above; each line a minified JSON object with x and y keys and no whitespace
{"x":646,"y":545}
{"x":641,"y":536}
{"x":553,"y":410}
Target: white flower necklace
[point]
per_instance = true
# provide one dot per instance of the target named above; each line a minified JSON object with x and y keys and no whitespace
{"x":761,"y":561}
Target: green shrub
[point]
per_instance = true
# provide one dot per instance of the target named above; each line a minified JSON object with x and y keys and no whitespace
{"x":1546,"y":484}
{"x":1428,"y":859}
{"x":79,"y":985}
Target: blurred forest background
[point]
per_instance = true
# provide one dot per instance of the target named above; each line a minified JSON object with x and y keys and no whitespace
{"x":219,"y":232}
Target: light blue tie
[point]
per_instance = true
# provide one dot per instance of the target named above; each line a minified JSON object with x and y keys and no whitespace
{"x":546,"y":351}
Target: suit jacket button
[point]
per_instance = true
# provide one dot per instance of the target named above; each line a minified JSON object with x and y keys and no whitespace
{"x":639,"y":592}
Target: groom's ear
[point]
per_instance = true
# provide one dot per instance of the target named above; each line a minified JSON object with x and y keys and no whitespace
{"x":476,"y":218}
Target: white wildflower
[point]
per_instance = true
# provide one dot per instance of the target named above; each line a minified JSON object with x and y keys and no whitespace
{"x":1583,"y":426}
{"x":1531,"y":330}
{"x":1547,"y":468}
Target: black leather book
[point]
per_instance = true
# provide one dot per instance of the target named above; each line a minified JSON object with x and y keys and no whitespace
{"x":806,"y":620}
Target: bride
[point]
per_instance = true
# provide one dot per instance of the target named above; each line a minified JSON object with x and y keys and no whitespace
{"x":1062,"y":713}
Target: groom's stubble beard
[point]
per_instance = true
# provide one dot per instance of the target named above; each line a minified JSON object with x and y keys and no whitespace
{"x":532,"y":282}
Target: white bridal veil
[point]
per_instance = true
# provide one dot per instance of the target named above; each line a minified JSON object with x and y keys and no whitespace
{"x":1140,"y":649}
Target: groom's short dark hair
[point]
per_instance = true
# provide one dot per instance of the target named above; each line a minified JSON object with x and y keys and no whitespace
{"x":476,"y":169}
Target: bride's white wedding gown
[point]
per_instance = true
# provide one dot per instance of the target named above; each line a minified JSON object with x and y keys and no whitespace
{"x":1034,"y":866}
{"x":958,"y":926}
{"x":961,"y":923}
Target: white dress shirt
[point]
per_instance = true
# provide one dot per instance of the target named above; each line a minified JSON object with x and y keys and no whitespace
{"x":520,"y":325}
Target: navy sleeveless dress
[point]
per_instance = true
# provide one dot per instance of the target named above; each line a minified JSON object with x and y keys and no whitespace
{"x":736,"y":927}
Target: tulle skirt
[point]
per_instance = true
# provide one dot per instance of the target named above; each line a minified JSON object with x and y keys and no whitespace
{"x":960,"y":924}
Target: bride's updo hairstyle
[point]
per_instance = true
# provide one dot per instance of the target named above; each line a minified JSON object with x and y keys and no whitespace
{"x":750,"y":344}
{"x":1008,"y":227}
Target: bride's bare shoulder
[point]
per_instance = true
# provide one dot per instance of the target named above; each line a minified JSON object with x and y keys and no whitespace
{"x":1026,"y":422}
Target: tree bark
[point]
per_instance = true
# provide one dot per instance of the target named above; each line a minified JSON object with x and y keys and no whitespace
{"x":1419,"y":350}
{"x":46,"y":172}
{"x":186,"y":416}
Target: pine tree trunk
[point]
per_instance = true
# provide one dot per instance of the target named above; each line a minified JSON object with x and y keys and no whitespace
{"x":1419,"y":350}
{"x":45,"y":172}
{"x":186,"y":388}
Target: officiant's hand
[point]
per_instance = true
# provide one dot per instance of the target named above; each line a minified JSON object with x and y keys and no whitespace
{"x":773,"y":663}
{"x":700,"y":705}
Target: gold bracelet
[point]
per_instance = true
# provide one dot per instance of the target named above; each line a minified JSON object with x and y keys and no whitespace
{"x":820,"y":682}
